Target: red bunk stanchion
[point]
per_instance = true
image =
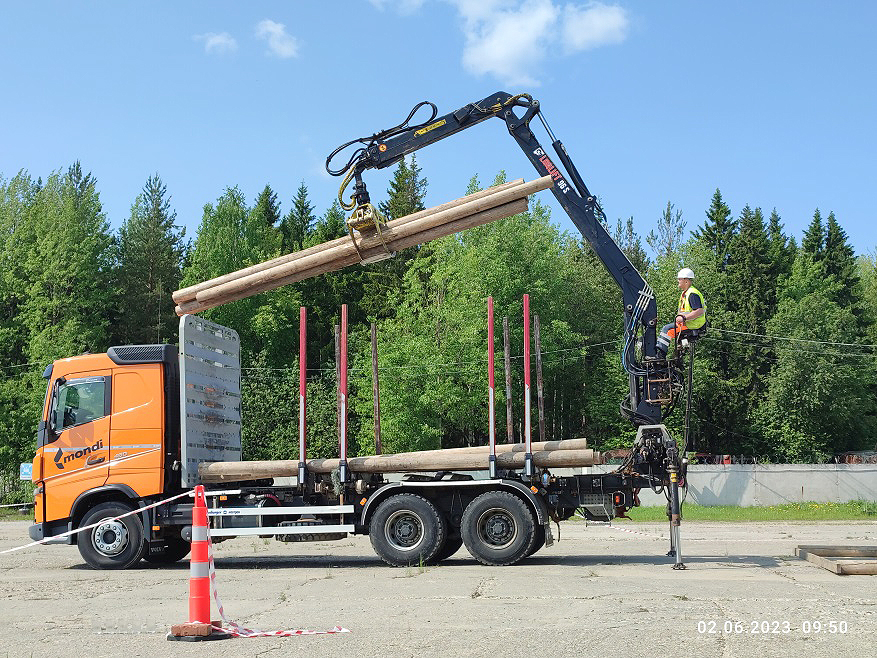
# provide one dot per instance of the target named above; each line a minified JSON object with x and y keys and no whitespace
{"x":528,"y":441}
{"x":343,"y":384}
{"x":302,"y":395}
{"x":491,"y":388}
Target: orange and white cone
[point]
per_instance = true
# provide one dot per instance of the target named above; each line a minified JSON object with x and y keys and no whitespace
{"x":199,"y":626}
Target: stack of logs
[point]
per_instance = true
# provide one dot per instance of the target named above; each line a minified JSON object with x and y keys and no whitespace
{"x":473,"y":210}
{"x":546,"y":454}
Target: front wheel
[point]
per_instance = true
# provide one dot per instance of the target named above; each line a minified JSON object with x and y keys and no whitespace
{"x":113,"y":543}
{"x":498,"y":528}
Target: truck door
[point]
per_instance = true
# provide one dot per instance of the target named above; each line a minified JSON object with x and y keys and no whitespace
{"x":138,"y":426}
{"x":76,"y":453}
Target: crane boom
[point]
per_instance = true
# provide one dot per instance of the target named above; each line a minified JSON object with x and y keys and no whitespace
{"x":387,"y":147}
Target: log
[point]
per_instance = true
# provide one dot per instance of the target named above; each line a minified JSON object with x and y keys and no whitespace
{"x":449,"y":218}
{"x":458,"y":462}
{"x":485,"y":217}
{"x":392,"y":233}
{"x":188,"y":294}
{"x":474,"y":458}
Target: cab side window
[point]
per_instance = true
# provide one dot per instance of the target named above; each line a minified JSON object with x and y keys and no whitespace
{"x":79,"y":401}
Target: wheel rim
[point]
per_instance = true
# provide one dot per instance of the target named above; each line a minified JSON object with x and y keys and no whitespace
{"x":110,"y":537}
{"x":404,"y":530}
{"x":496,"y":528}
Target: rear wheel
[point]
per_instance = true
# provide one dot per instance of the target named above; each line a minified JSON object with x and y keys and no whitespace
{"x":539,"y":540}
{"x":113,"y":543}
{"x":407,"y":529}
{"x":452,"y":544}
{"x":498,"y":528}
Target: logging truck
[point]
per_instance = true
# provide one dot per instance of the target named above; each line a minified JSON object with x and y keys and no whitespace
{"x":124,"y":431}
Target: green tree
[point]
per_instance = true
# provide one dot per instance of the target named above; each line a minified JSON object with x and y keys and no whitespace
{"x":781,"y":254}
{"x":68,"y":268}
{"x":671,"y":229}
{"x":150,"y":252}
{"x":407,"y":190}
{"x":819,"y":400}
{"x":332,"y":225}
{"x":631,"y":245}
{"x":813,"y":242}
{"x":840,"y":262}
{"x":298,"y":223}
{"x":718,"y":229}
{"x":233,"y":236}
{"x":21,"y":387}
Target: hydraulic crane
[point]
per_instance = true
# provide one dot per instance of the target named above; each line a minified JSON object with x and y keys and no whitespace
{"x":655,"y":384}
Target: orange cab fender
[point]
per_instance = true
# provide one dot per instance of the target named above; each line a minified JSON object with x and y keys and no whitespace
{"x":121,"y":493}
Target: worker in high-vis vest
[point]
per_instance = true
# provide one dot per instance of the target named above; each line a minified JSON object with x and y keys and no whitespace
{"x":690,"y":315}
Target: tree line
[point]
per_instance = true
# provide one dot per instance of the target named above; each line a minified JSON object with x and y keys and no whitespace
{"x":785,"y":373}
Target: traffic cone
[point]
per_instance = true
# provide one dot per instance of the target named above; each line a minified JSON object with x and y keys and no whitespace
{"x":199,"y":627}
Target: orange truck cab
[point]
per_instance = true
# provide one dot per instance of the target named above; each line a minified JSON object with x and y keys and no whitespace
{"x":108,"y":438}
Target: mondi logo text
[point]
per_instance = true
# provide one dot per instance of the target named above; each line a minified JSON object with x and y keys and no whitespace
{"x":61,"y":458}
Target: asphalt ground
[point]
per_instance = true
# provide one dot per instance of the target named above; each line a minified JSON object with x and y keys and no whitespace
{"x":601,"y":591}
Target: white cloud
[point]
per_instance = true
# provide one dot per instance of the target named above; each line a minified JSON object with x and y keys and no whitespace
{"x":403,"y":7}
{"x":511,"y":39}
{"x":280,"y":44}
{"x":593,"y":26}
{"x":217,"y":44}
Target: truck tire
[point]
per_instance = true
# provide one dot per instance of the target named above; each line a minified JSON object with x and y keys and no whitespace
{"x":111,"y":544}
{"x":407,"y":529}
{"x":498,"y":528}
{"x":177,"y":548}
{"x":452,"y":544}
{"x":539,"y":540}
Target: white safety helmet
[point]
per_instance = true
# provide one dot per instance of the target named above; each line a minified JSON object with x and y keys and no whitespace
{"x":685,"y":273}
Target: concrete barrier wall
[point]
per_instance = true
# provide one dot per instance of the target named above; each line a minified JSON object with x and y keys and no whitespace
{"x":771,"y":484}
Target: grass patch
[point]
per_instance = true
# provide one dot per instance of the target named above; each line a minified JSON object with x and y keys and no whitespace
{"x":12,"y":514}
{"x":858,"y":510}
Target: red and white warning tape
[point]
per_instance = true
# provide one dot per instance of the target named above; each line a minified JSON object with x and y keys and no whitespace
{"x":237,"y":630}
{"x":94,"y":525}
{"x":637,"y":532}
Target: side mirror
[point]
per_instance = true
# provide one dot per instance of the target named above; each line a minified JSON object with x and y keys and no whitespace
{"x":52,"y":424}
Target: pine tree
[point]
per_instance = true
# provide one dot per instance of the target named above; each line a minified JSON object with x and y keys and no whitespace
{"x":813,"y":242}
{"x":298,"y":224}
{"x":671,"y":228}
{"x":840,"y":263}
{"x":718,"y":229}
{"x":333,"y":224}
{"x":407,"y":191}
{"x":261,"y":238}
{"x":631,"y":244}
{"x":749,"y":290}
{"x":781,"y":255}
{"x":267,"y":206}
{"x":150,"y":251}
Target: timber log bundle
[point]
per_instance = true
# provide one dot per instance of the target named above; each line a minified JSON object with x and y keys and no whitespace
{"x":473,"y":210}
{"x":549,"y":454}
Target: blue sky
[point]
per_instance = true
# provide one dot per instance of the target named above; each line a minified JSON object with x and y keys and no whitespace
{"x":772,"y":102}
